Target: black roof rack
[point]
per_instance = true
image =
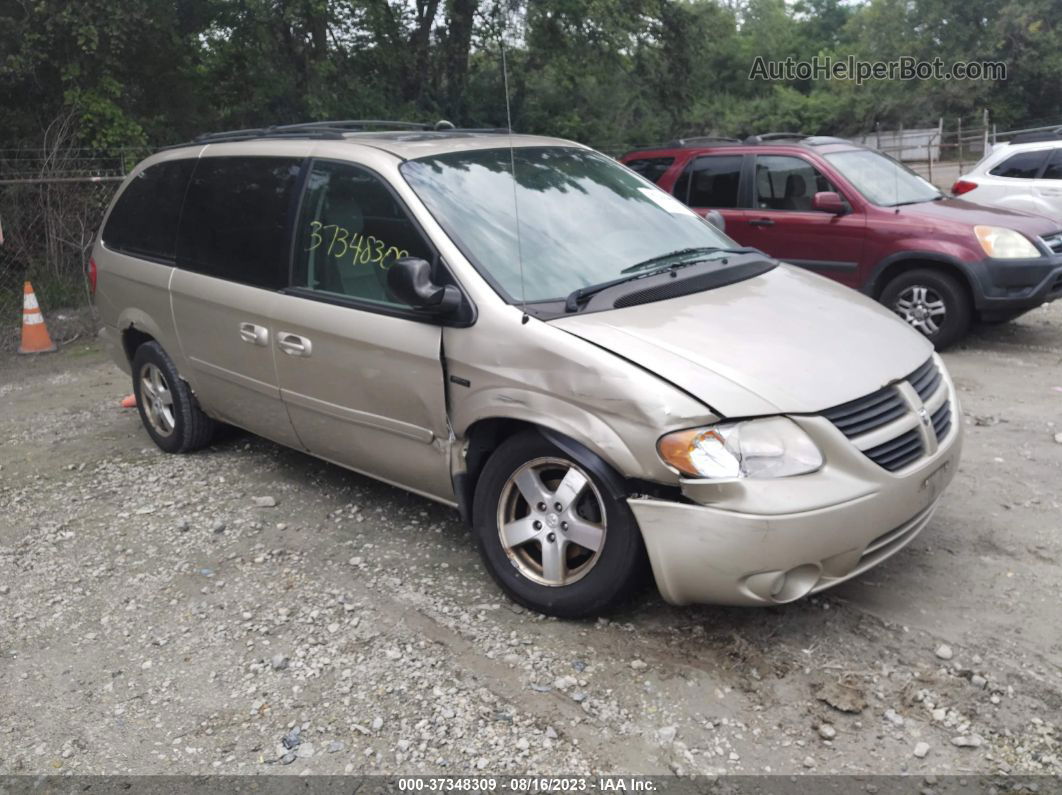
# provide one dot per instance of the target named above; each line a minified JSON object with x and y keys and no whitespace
{"x":701,"y":140}
{"x":763,"y":138}
{"x":1037,"y":136}
{"x":333,"y":130}
{"x":803,"y":138}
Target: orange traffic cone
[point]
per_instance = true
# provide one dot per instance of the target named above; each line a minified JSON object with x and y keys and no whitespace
{"x":35,"y":337}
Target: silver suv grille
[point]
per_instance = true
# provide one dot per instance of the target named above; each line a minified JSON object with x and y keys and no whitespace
{"x":894,"y":426}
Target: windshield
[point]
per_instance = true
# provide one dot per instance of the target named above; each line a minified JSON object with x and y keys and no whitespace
{"x":584,"y":219}
{"x":881,"y":179}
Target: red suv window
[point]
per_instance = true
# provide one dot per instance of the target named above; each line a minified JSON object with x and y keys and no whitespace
{"x":711,"y":181}
{"x":652,"y":168}
{"x":784,"y":182}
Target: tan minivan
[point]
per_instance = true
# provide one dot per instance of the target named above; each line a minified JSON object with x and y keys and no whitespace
{"x":526,"y":330}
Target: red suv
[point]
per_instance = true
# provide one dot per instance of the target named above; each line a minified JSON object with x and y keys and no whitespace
{"x":858,"y":216}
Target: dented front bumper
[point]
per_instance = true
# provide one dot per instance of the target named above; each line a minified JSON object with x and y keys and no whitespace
{"x":761,"y":542}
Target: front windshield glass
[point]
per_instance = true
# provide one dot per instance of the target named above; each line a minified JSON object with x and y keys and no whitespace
{"x":583,"y":218}
{"x":881,"y":179}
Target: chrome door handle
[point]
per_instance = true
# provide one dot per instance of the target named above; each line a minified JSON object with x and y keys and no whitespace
{"x":255,"y":335}
{"x":293,"y":344}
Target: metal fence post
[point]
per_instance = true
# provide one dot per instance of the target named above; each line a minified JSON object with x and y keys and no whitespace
{"x":959,"y":135}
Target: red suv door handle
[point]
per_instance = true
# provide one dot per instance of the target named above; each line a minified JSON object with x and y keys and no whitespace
{"x":761,"y":222}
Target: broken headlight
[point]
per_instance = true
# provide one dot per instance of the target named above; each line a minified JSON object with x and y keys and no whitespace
{"x":773,"y":447}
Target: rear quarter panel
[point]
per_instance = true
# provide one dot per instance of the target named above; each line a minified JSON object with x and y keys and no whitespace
{"x":133,"y":292}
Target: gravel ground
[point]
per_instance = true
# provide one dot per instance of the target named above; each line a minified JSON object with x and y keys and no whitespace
{"x":158,"y":616}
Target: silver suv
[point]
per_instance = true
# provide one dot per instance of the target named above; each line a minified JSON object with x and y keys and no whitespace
{"x":524,"y":329}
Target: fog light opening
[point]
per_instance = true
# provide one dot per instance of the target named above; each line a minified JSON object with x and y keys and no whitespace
{"x":795,"y":583}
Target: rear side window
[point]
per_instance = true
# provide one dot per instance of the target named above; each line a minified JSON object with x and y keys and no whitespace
{"x":652,"y":168}
{"x":144,"y":220}
{"x":711,"y":181}
{"x":235,"y":219}
{"x":1054,"y":166}
{"x":1024,"y":165}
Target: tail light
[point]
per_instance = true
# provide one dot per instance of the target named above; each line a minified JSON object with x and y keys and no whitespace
{"x":91,"y":274}
{"x":963,"y":186}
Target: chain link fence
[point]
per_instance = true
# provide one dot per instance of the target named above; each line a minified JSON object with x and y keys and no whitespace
{"x":51,"y":204}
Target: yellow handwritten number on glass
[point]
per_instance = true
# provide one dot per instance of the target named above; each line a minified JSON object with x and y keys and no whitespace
{"x":315,"y":235}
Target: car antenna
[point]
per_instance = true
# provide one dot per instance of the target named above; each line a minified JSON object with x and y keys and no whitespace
{"x":512,"y":166}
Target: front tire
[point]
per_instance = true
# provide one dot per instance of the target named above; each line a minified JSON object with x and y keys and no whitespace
{"x":551,"y":532}
{"x":935,"y":304}
{"x":167,"y":407}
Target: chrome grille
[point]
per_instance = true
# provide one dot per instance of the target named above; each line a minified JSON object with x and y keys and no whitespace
{"x":865,"y":420}
{"x":899,"y":452}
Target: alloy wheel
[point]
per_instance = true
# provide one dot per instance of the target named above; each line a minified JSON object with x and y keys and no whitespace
{"x":922,"y":307}
{"x":551,"y":521}
{"x":157,"y":399}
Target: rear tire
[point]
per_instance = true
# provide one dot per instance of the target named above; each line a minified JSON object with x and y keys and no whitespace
{"x":934,"y":303}
{"x":167,"y":407}
{"x":531,"y":547}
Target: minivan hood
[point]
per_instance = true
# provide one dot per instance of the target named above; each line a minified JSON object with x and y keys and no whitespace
{"x":966,"y":213}
{"x":787,"y":341}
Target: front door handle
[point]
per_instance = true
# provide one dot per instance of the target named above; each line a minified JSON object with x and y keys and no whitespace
{"x":254,"y":334}
{"x":293,"y":344}
{"x":761,"y":222}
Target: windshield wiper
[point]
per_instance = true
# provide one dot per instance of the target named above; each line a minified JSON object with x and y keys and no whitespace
{"x":682,"y":252}
{"x":578,"y":296}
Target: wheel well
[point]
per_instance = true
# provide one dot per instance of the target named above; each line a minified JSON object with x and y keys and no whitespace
{"x":894,"y":269}
{"x":133,"y":338}
{"x":485,"y":436}
{"x":481,"y":439}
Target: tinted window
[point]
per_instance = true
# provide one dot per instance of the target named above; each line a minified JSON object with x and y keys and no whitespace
{"x":788,"y":183}
{"x":144,"y":219}
{"x":1054,"y":166}
{"x":351,"y":230}
{"x":1024,"y":165}
{"x":652,"y":168}
{"x":711,"y":181}
{"x":235,"y":219}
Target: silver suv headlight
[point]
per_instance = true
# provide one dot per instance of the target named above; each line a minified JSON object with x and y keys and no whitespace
{"x":774,"y":447}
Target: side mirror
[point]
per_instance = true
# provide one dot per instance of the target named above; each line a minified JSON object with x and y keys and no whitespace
{"x":409,"y":281}
{"x":716,"y":219}
{"x":828,"y":202}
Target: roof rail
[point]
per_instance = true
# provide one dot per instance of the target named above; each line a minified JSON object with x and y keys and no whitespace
{"x":330,"y":130}
{"x":775,"y":136}
{"x":700,"y":140}
{"x":1036,"y":136}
